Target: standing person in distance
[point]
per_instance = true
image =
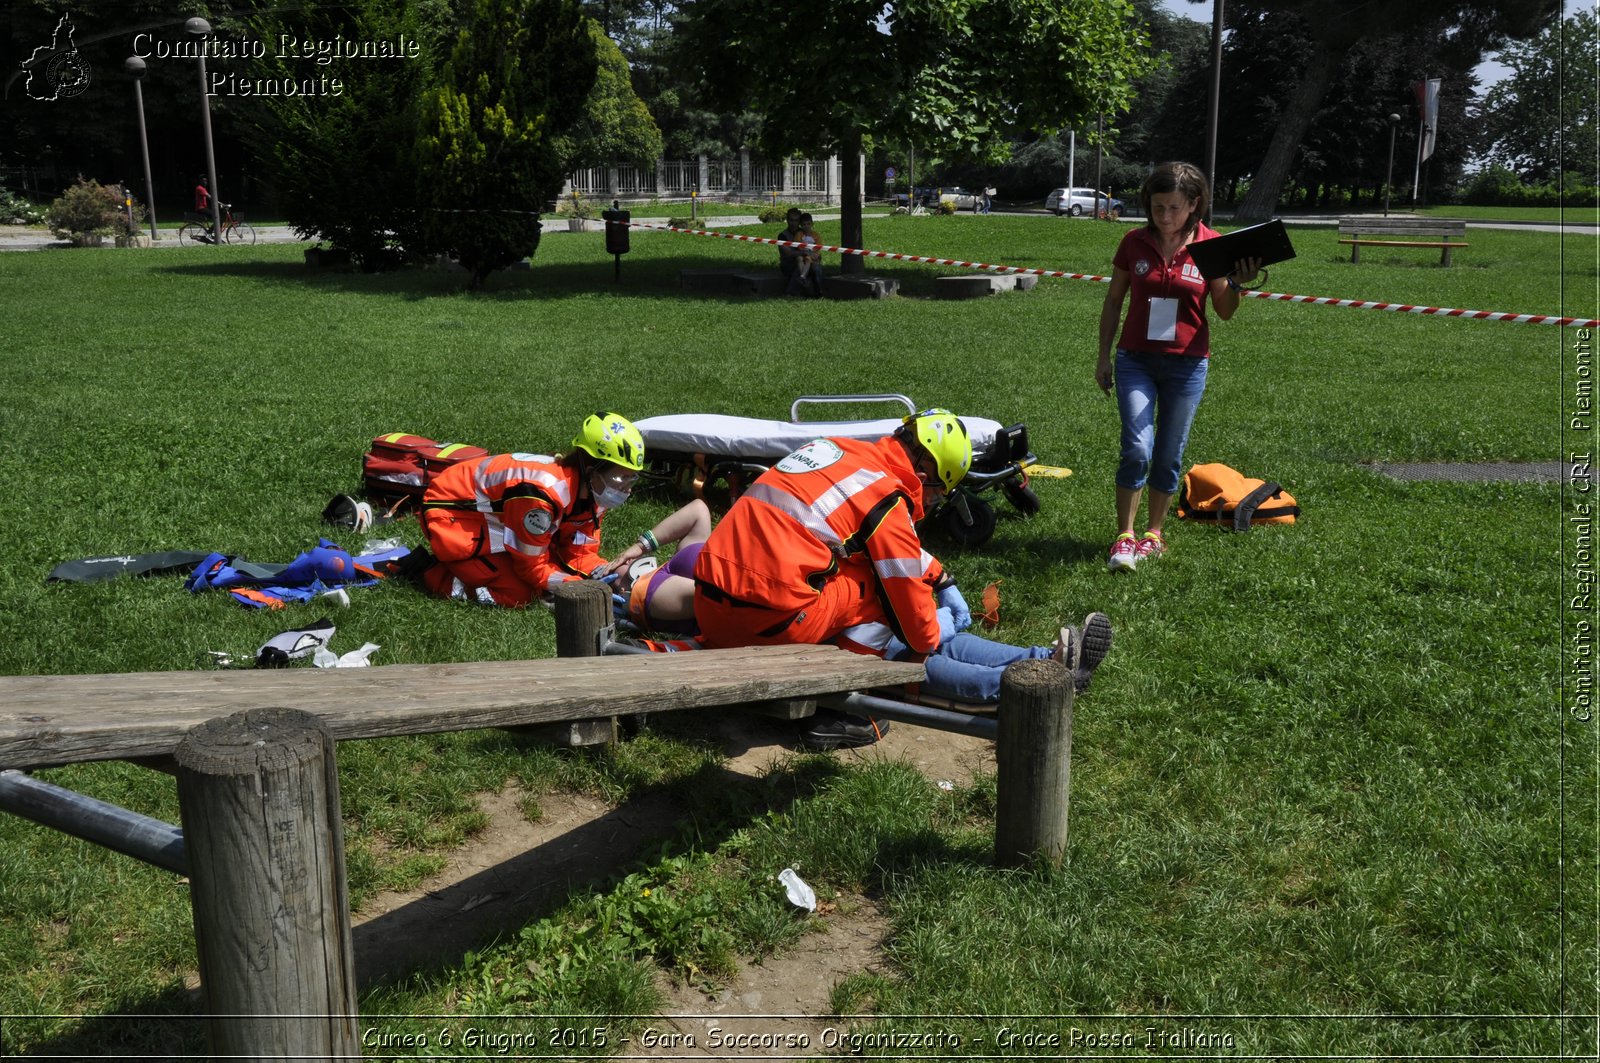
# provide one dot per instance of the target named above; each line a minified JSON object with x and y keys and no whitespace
{"x":1164,"y":350}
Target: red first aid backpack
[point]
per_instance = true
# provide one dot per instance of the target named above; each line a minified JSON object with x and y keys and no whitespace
{"x":399,"y":467}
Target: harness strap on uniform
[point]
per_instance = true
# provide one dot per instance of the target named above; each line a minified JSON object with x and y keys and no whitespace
{"x":857,"y":543}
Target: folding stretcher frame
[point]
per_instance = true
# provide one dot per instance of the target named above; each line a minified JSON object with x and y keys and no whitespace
{"x":698,"y":451}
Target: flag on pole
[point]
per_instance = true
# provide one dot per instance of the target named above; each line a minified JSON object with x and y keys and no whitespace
{"x":1428,"y":112}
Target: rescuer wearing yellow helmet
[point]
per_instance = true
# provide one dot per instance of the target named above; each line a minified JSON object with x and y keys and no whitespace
{"x":507,"y":528}
{"x":823,"y":547}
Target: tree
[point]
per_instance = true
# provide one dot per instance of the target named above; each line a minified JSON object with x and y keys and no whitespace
{"x":615,"y":124}
{"x":1459,"y":28}
{"x":487,"y":153}
{"x":96,"y":132}
{"x":1541,"y":121}
{"x":1130,"y":144}
{"x":662,"y":72}
{"x":337,"y":163}
{"x":1344,"y":149}
{"x":960,"y":78}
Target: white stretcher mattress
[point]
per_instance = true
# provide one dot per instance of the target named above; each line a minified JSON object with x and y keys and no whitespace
{"x":758,"y":440}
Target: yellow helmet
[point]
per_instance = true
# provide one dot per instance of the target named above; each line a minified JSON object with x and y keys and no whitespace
{"x":943,"y":436}
{"x":611,"y":437}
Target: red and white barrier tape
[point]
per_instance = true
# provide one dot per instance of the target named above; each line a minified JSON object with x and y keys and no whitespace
{"x":1319,"y":300}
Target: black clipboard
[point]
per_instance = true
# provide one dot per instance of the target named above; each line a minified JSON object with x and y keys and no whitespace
{"x":1267,"y":241}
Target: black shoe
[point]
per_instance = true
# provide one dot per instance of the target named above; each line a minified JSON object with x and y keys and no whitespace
{"x":1096,"y":632}
{"x":1094,"y":638}
{"x":838,"y":730}
{"x":413,"y":565}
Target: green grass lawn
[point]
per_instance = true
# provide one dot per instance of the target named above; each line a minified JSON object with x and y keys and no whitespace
{"x":1570,"y":215}
{"x":1324,"y":784}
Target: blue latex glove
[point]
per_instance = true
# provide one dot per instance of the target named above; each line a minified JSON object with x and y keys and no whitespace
{"x":950,"y":598}
{"x":947,"y":626}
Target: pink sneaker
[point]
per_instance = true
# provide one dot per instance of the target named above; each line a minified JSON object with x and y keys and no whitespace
{"x":1151,"y":544}
{"x":1124,"y":553}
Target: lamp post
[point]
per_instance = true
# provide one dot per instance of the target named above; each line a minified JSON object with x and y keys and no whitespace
{"x":200,"y":29}
{"x":1099,"y":159}
{"x":1214,"y":105}
{"x":134,"y":67}
{"x":1388,"y":180}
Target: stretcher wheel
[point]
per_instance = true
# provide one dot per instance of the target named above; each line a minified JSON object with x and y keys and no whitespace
{"x":1022,"y":496}
{"x":982,"y":521}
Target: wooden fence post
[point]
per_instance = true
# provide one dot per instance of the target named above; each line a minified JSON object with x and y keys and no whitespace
{"x":259,"y":796}
{"x":583,"y":607}
{"x":1034,"y":751}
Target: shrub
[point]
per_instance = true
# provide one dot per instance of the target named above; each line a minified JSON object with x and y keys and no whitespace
{"x":682,"y":223}
{"x":947,"y":206}
{"x":89,"y":211}
{"x":573,"y":205}
{"x":486,"y":132}
{"x":773,"y":215}
{"x":17,"y":210}
{"x":1498,"y":186}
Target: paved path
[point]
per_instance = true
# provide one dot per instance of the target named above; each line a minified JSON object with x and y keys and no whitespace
{"x":22,"y":238}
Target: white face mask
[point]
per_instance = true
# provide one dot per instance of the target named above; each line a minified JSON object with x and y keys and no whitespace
{"x":611,"y":497}
{"x":614,"y":490}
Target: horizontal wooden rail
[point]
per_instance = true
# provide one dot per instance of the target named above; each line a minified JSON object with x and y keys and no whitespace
{"x":64,"y":719}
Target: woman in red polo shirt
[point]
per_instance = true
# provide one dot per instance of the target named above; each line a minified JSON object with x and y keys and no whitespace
{"x":1161,"y":358}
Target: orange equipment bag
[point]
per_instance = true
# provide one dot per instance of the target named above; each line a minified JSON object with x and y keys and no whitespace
{"x":399,"y":467}
{"x":1220,"y":494}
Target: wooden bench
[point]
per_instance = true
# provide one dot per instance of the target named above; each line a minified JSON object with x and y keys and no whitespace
{"x":258,"y":789}
{"x":67,"y":719}
{"x":1443,"y":233}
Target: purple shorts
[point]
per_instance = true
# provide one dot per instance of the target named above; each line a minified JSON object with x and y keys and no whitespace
{"x":680,"y":564}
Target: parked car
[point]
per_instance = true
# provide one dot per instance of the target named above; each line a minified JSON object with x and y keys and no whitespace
{"x":961,"y":198}
{"x":1081,"y":201}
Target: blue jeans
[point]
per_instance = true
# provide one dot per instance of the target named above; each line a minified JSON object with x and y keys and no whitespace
{"x":967,"y":667}
{"x":1157,"y":395}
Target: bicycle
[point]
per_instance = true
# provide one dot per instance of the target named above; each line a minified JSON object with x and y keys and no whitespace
{"x":911,"y":208}
{"x":235,"y":230}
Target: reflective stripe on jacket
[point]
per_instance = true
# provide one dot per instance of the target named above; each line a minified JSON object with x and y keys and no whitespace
{"x":526,"y":506}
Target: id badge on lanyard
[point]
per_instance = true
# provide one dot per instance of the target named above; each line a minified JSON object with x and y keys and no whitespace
{"x":1162,"y":324}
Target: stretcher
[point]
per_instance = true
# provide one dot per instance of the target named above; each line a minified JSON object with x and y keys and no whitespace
{"x":714,"y":456}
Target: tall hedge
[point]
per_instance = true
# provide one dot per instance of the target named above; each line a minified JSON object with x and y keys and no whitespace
{"x":487,"y":161}
{"x":342,"y":166}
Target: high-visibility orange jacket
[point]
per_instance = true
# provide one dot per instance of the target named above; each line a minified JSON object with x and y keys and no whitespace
{"x":834,"y":510}
{"x":523,"y":506}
